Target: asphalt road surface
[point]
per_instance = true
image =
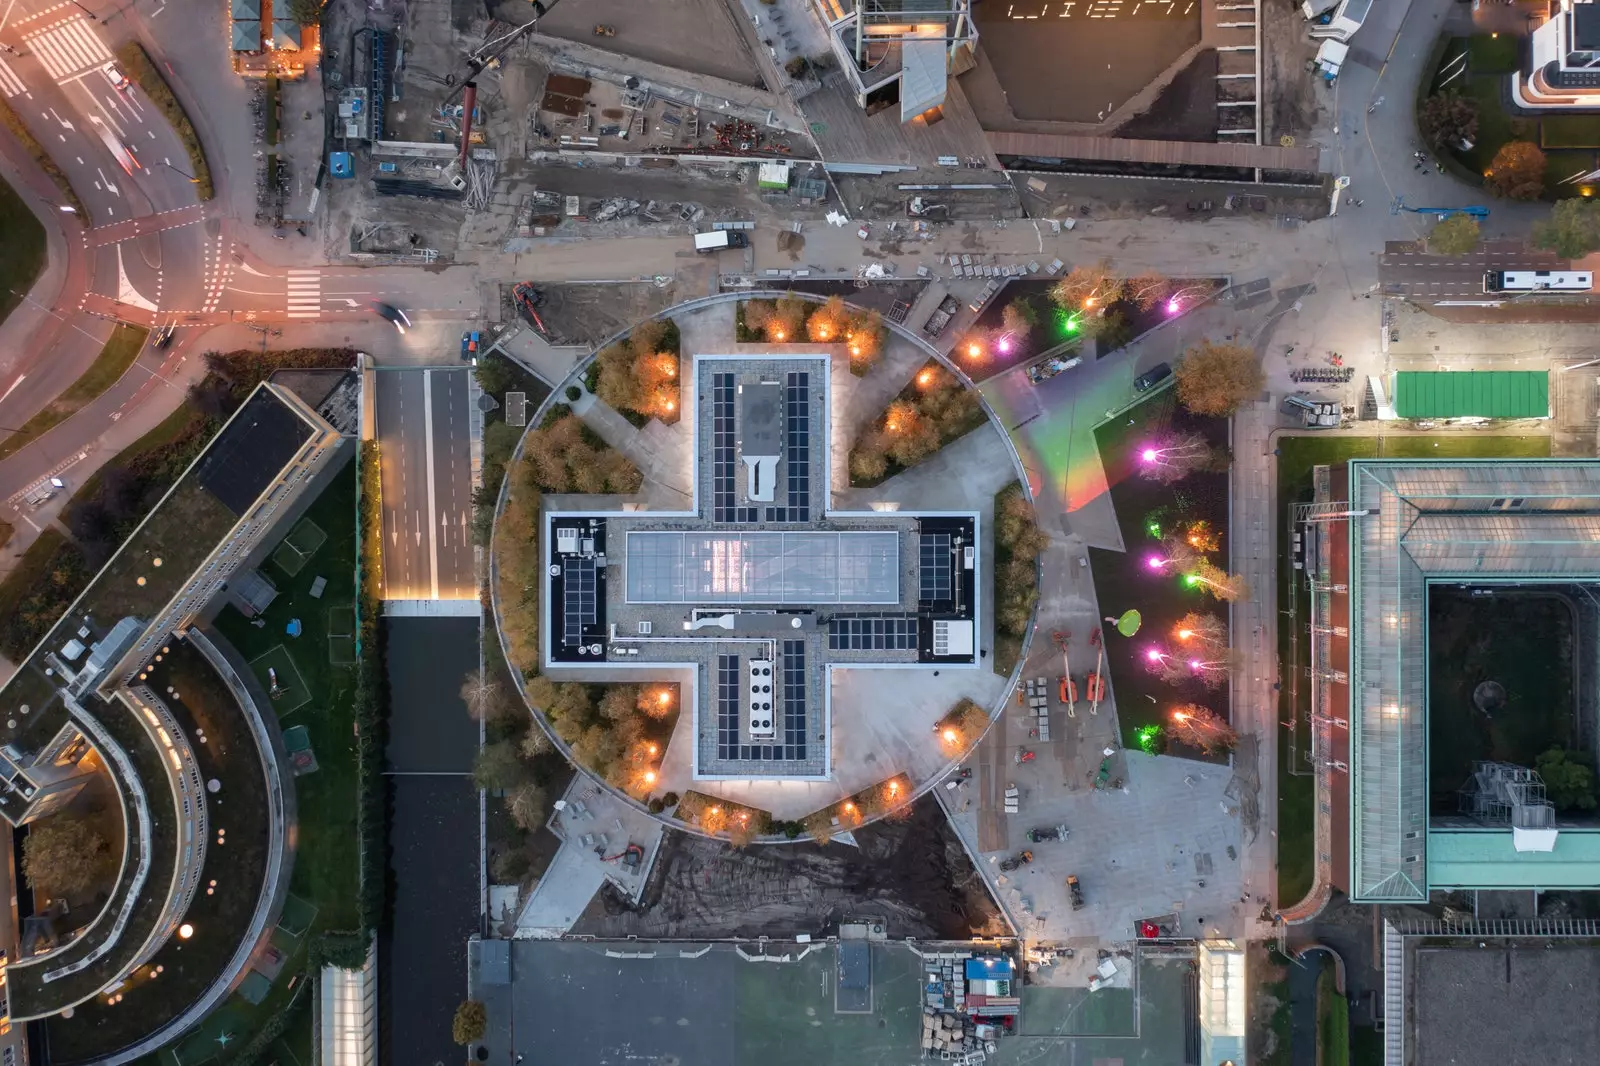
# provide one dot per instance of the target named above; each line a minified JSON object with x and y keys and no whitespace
{"x":424,"y":434}
{"x":1406,"y":270}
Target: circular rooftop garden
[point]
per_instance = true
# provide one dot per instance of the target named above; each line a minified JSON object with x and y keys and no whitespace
{"x":898,"y":439}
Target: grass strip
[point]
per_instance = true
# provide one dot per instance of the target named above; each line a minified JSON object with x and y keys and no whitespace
{"x":23,"y":239}
{"x":138,"y":65}
{"x":119,"y":353}
{"x":19,"y":129}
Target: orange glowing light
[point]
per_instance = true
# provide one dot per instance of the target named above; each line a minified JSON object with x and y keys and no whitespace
{"x":893,"y":426}
{"x":1179,"y":716}
{"x":894,"y":787}
{"x":664,"y":697}
{"x":651,"y":749}
{"x":671,"y":405}
{"x":1185,"y":634}
{"x":1089,"y":302}
{"x":649,"y":777}
{"x":950,"y":736}
{"x":777,"y":334}
{"x":925,"y":377}
{"x":850,"y":808}
{"x":855,"y":349}
{"x":973,"y":351}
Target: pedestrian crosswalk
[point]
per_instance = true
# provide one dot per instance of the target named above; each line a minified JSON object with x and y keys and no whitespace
{"x":68,"y":48}
{"x":10,"y":84}
{"x":305,"y":293}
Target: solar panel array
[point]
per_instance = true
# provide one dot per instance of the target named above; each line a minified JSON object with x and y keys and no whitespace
{"x":578,"y":607}
{"x":794,"y":697}
{"x":729,"y":699}
{"x":934,"y":573}
{"x":724,"y":506}
{"x":797,"y":473}
{"x":727,"y":706}
{"x":872,"y":632}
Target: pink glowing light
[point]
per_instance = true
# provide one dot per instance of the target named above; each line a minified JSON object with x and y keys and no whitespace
{"x":1153,"y":655}
{"x":1155,"y":562}
{"x":1149,"y":455}
{"x":1194,"y":664}
{"x":1005,"y":345}
{"x":1172,"y":306}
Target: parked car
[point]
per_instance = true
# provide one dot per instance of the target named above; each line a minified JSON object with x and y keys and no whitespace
{"x":1152,"y":377}
{"x":469,"y":344}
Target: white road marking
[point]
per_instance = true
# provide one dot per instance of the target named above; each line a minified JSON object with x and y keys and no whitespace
{"x":10,"y":84}
{"x":68,"y":49}
{"x":303,"y":289}
{"x":13,"y":388}
{"x":7,"y":16}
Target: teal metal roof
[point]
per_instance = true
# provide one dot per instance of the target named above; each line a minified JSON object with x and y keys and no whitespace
{"x":1472,"y":393}
{"x":1485,"y":858}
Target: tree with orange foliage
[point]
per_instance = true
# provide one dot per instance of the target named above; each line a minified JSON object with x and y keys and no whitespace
{"x":1517,"y":172}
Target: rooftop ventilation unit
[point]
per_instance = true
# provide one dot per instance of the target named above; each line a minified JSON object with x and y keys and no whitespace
{"x":758,"y":702}
{"x":952,"y":637}
{"x":566,"y":540}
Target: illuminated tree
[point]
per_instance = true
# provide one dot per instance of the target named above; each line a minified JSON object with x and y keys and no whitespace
{"x":1019,"y":317}
{"x":866,"y":335}
{"x":1517,"y":172}
{"x":827,"y":323}
{"x":1149,"y":289}
{"x":1201,"y":727}
{"x":1089,"y":288}
{"x":1173,"y":459}
{"x":1217,"y":581}
{"x":789,"y":315}
{"x":1218,"y":378}
{"x":1201,"y":633}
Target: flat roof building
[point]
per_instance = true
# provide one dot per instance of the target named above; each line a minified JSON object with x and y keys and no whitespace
{"x":759,"y":590}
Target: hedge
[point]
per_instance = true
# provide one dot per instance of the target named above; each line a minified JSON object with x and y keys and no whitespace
{"x":138,"y":65}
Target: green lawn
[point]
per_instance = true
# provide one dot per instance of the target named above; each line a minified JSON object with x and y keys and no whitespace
{"x":22,"y":237}
{"x":1570,"y":131}
{"x":1296,"y":456}
{"x":1333,"y":1019}
{"x":118,"y":354}
{"x":327,"y":850}
{"x":1492,"y":53}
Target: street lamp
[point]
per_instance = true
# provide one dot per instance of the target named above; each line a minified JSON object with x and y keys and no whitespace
{"x":91,"y":15}
{"x":192,"y":179}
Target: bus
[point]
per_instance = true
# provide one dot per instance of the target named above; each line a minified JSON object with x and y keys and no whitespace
{"x":1536,"y":280}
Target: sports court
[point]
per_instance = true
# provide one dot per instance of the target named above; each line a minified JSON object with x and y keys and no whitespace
{"x":292,"y":692}
{"x":298,"y":547}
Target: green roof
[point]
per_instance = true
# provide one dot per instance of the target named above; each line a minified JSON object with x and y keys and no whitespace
{"x":1486,"y":858}
{"x":1472,"y":393}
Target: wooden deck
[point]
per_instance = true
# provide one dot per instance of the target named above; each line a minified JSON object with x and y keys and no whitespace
{"x":1177,"y":153}
{"x":846,"y":134}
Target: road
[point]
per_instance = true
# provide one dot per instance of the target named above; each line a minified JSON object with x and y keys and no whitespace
{"x":423,"y":424}
{"x":1405,"y":271}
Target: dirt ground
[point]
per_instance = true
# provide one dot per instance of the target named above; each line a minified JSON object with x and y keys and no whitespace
{"x":1186,"y":110}
{"x":588,"y":314}
{"x":1292,"y":97}
{"x":695,"y":35}
{"x":913,"y":873}
{"x":1090,"y":198}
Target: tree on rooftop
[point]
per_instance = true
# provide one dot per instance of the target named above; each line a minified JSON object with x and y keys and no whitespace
{"x":789,"y":315}
{"x":1149,"y":289}
{"x":484,"y":697}
{"x":1201,"y":727}
{"x":1018,"y":318}
{"x":826,"y":324}
{"x":1448,"y":119}
{"x":1217,"y":378}
{"x":1517,"y":172}
{"x":866,"y":334}
{"x":1089,"y":288}
{"x":1456,"y":235}
{"x":470,"y":1023}
{"x":1573,"y":229}
{"x":1568,"y":783}
{"x":65,"y":855}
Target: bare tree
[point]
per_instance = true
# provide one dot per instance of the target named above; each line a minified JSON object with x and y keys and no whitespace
{"x":1174,"y":459}
{"x":1201,"y":727}
{"x":1088,"y":288}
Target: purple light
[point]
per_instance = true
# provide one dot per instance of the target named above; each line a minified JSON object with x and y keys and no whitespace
{"x":1172,"y":306}
{"x":1149,"y":455}
{"x":1156,"y":562}
{"x":1153,"y":655}
{"x":1005,"y":345}
{"x":1194,"y":664}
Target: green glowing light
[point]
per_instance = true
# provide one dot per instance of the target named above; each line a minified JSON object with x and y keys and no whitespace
{"x":1145,"y":736}
{"x":1154,"y":529}
{"x":1191,"y":580}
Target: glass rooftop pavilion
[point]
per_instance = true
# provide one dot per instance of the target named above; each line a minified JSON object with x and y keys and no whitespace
{"x":1512,"y":522}
{"x":759,"y":591}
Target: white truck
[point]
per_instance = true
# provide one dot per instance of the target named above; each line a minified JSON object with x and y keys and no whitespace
{"x":718,"y":239}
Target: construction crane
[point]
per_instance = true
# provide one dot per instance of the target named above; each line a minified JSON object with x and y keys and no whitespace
{"x":1399,"y":205}
{"x":631,"y":856}
{"x":1068,"y":690}
{"x":478,"y":59}
{"x":1095,"y":684}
